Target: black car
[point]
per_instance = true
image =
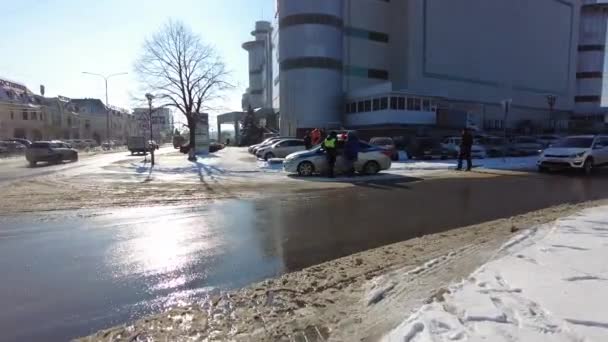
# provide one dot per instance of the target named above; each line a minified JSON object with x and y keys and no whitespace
{"x":427,"y":148}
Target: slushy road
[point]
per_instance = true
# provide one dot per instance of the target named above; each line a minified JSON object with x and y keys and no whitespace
{"x":70,"y":273}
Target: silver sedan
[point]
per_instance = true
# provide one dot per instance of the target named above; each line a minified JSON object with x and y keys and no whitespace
{"x":371,"y":160}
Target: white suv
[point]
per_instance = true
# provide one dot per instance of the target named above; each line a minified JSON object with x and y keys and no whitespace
{"x":583,"y":152}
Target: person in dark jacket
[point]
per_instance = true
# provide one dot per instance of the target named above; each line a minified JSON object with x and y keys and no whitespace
{"x":351,"y":152}
{"x":307,"y":140}
{"x":329,"y":145}
{"x":466,"y":143}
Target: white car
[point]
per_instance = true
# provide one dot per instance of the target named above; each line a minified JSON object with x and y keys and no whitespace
{"x":281,"y":149}
{"x":371,"y":160}
{"x":583,"y":152}
{"x":452,"y":144}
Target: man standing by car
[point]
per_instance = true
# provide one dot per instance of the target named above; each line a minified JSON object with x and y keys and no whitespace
{"x":329,"y":145}
{"x":307,"y":140}
{"x":351,"y":152}
{"x":466,"y":143}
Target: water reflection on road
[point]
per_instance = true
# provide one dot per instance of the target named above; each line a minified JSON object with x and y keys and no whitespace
{"x":70,"y":273}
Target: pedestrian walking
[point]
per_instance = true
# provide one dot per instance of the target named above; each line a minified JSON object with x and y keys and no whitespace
{"x":308,"y":140}
{"x":466,"y":144}
{"x":329,"y":145}
{"x":351,"y":152}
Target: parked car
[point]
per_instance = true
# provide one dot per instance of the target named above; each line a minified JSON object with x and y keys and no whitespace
{"x":23,"y":142}
{"x":281,"y":149}
{"x":50,"y":151}
{"x":584,"y":152}
{"x":452,"y":145}
{"x":428,"y":148}
{"x":215,"y":146}
{"x":90,"y":143}
{"x":266,"y":144}
{"x":548,"y":139}
{"x":386,"y":143}
{"x":11,"y":147}
{"x":371,"y":160}
{"x":524,"y":146}
{"x":494,"y":146}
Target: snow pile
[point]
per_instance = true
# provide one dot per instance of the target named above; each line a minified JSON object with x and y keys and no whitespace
{"x":510,"y":163}
{"x":548,"y":284}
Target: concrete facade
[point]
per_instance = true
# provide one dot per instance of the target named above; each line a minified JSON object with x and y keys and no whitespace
{"x":466,"y":55}
{"x":162,"y":123}
{"x":21,"y":113}
{"x":260,"y":52}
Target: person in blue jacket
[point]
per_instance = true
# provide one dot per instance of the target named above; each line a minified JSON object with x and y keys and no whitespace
{"x":351,"y":152}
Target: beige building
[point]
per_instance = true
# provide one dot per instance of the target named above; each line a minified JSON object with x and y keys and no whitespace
{"x":96,"y":118}
{"x":21,"y":114}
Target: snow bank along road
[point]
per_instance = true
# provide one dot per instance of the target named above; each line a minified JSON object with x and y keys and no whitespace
{"x":358,"y":297}
{"x":549,"y":283}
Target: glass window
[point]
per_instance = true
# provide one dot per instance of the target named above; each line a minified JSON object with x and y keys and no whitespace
{"x":417,"y":104}
{"x":410,"y":103}
{"x":426,"y":105}
{"x":376,"y":104}
{"x":394,"y":102}
{"x":24,"y":115}
{"x":353,"y":107}
{"x":384,"y":103}
{"x":401,"y":104}
{"x":368,"y":105}
{"x":361,"y":107}
{"x":12,"y":115}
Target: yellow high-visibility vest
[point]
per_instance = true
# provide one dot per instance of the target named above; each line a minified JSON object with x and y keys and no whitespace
{"x":329,"y":143}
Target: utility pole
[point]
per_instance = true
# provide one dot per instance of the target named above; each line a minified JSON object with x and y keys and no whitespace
{"x":106,"y":77}
{"x":150,"y":97}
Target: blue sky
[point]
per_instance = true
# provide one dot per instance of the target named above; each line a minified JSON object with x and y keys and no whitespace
{"x":51,"y":42}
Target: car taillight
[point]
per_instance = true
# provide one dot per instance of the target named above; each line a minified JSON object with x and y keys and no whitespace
{"x":387,"y":153}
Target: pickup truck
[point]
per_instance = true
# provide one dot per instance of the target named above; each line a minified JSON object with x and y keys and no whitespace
{"x":137,"y":145}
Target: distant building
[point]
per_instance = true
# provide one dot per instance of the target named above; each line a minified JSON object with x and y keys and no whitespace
{"x":21,"y":114}
{"x":424,"y":63}
{"x":259,"y":93}
{"x":95,"y":116}
{"x":162,"y":123}
{"x":63,"y":120}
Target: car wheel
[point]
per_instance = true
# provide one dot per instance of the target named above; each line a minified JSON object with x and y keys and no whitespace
{"x":306,"y":169}
{"x":268,"y":155}
{"x":588,"y":166}
{"x":32,"y":163}
{"x":371,"y":168}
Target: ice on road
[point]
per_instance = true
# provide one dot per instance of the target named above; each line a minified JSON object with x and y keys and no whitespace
{"x":547,"y":284}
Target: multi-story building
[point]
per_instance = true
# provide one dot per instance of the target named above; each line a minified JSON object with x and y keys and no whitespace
{"x":162,"y":123}
{"x":21,"y":114}
{"x":97,"y":118}
{"x":408,"y":63}
{"x":63,"y":120}
{"x":259,"y":93}
{"x":591,"y":101}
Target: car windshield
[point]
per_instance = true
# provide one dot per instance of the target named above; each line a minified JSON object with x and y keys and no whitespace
{"x":574,"y":142}
{"x":40,"y":145}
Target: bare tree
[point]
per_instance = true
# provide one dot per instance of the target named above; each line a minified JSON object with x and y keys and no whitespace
{"x":182,"y":72}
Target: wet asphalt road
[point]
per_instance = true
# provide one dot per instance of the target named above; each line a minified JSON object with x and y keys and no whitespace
{"x":67,"y":274}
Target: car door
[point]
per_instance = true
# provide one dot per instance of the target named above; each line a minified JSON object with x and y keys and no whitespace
{"x":296,"y":146}
{"x":600,"y":151}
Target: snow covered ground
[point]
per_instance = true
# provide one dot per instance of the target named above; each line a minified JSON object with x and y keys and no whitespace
{"x":549,"y":283}
{"x":509,"y":163}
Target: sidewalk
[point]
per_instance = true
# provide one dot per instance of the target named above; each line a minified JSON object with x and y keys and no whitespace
{"x":547,"y":284}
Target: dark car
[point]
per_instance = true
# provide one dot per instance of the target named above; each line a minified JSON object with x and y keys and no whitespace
{"x":50,"y":151}
{"x":427,"y":148}
{"x":387,"y":143}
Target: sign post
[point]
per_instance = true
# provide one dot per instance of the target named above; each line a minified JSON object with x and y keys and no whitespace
{"x":202,"y":134}
{"x":506,"y":107}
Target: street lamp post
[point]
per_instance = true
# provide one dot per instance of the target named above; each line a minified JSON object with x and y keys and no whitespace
{"x":106,"y":77}
{"x":150,"y":97}
{"x":551,"y":100}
